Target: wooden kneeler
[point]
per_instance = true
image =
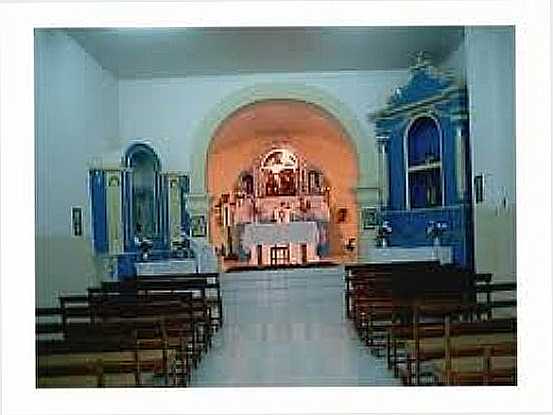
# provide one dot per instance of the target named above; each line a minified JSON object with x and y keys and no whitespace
{"x":417,"y":343}
{"x":447,"y":349}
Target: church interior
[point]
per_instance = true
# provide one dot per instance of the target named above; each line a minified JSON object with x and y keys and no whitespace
{"x":286,"y":206}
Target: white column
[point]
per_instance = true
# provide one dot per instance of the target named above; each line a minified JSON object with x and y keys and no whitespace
{"x":383,"y":179}
{"x":174,"y":207}
{"x":460,"y":163}
{"x":114,"y":211}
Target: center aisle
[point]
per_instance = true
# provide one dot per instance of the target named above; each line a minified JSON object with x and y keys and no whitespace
{"x":287,"y":328}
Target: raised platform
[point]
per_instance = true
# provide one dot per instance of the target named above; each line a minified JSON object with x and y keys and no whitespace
{"x":314,"y":264}
{"x":166,"y":267}
{"x":442,"y":254}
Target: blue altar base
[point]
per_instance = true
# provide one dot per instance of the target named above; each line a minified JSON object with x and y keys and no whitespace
{"x":126,"y":268}
{"x":409,"y":230}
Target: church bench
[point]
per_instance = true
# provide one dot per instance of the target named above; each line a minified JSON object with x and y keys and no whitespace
{"x":187,"y":318}
{"x":408,"y":279}
{"x":431,"y":316}
{"x":359,"y":272}
{"x":200,"y":286}
{"x":188,"y":321}
{"x":469,"y":360}
{"x":97,"y":353}
{"x":213,"y":288}
{"x":430,"y":340}
{"x":488,"y":363}
{"x":384,"y":296}
{"x":461,"y":346}
{"x":128,"y":293}
{"x":494,"y":288}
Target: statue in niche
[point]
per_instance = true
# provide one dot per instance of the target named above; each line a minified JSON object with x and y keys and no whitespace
{"x":145,"y":174}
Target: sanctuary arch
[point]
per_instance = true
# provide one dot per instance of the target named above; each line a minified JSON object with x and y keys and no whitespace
{"x":317,"y":130}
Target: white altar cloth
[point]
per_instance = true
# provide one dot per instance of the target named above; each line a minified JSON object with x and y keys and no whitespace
{"x":280,"y":233}
{"x":443,"y":254}
{"x":166,"y":267}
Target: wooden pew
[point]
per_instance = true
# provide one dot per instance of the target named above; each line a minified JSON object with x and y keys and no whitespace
{"x":186,"y":319}
{"x":363,"y":271}
{"x":432,"y":339}
{"x":385,"y":297}
{"x":178,"y":314}
{"x":88,"y":359}
{"x":472,"y":364}
{"x":131,"y":289}
{"x":213,"y":287}
{"x":199,"y":285}
{"x":370,"y":285}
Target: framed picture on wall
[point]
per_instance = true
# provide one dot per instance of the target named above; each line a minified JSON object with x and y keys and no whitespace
{"x":342,"y":215}
{"x":479,"y":188}
{"x":369,"y":218}
{"x":199,"y":226}
{"x":77,"y":221}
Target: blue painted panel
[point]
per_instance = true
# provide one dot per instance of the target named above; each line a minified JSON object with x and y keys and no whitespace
{"x":97,"y":184}
{"x":396,"y":165}
{"x":127,"y":213}
{"x":125,"y":267}
{"x":448,"y":164}
{"x":185,"y":217}
{"x":409,"y":230}
{"x":409,"y":226}
{"x":425,"y":188}
{"x":422,"y":85}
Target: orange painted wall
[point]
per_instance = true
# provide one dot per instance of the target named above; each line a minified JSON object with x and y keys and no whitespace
{"x":313,"y":133}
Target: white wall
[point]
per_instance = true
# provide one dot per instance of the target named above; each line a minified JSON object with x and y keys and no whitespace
{"x":76,"y":116}
{"x":455,"y":63}
{"x":169,"y":111}
{"x":490,"y":82}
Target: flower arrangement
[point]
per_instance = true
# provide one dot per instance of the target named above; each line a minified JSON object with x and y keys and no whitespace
{"x":435,"y":230}
{"x":383,"y":232}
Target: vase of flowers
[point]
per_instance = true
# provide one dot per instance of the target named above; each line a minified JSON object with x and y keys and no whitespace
{"x":435,"y":231}
{"x":382,"y":234}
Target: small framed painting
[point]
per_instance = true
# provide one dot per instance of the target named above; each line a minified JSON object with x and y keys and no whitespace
{"x":199,"y":226}
{"x":369,"y":218}
{"x":342,"y":215}
{"x":479,"y":188}
{"x":77,"y":221}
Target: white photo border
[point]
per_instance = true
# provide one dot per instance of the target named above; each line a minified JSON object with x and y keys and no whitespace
{"x":533,"y":187}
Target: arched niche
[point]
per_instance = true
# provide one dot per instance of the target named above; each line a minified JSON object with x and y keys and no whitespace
{"x":424,"y":163}
{"x":145,"y":169}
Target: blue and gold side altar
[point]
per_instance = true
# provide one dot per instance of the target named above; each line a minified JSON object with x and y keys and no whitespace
{"x":424,"y":165}
{"x":139,"y":213}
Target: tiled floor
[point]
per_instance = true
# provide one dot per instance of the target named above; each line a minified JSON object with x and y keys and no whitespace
{"x":287,"y":328}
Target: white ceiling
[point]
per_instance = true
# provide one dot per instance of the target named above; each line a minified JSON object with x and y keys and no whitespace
{"x":147,"y":53}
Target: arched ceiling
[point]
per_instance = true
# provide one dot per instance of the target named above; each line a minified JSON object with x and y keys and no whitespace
{"x":253,"y":130}
{"x":277,"y":120}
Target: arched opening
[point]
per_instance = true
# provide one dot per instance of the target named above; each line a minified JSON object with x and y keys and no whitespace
{"x":146,"y":167}
{"x":278,"y":159}
{"x":424,"y":164}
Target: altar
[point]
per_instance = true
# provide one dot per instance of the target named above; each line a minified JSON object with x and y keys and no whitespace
{"x":281,"y":243}
{"x":166,"y":267}
{"x":441,"y":254}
